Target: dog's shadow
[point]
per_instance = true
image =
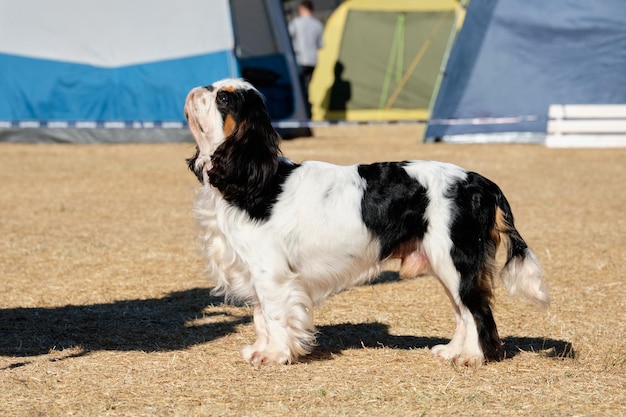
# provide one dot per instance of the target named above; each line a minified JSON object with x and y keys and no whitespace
{"x":333,"y":340}
{"x":181,"y":320}
{"x":176,"y":321}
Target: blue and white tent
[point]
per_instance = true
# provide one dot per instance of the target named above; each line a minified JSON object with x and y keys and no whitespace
{"x":119,"y":70}
{"x":513,"y":59}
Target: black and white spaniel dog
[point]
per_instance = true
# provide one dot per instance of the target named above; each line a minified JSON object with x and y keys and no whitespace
{"x":283,"y":236}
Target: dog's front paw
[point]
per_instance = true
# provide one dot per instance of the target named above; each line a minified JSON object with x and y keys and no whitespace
{"x":264,"y":357}
{"x":456,"y":355}
{"x":448,"y":352}
{"x":470,"y":360}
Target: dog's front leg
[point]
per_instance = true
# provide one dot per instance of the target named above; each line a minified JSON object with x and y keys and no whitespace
{"x":283,"y":322}
{"x":247,"y":351}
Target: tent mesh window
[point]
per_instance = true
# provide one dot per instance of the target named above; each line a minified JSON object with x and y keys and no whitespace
{"x":389,"y":60}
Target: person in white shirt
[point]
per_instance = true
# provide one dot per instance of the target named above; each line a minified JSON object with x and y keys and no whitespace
{"x":306,"y":35}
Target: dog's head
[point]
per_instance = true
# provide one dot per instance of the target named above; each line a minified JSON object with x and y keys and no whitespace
{"x":237,"y":147}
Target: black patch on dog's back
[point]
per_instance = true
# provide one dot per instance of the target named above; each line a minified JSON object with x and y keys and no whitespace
{"x":393,"y":204}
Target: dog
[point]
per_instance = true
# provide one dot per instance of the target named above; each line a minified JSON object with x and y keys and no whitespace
{"x":283,"y":236}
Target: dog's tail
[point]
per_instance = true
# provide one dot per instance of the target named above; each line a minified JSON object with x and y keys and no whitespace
{"x":521,"y":273}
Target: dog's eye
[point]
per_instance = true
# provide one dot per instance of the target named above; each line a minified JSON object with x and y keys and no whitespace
{"x":222,"y":97}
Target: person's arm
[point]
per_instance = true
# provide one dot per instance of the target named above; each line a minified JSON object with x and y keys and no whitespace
{"x":292,"y":29}
{"x":320,"y":38}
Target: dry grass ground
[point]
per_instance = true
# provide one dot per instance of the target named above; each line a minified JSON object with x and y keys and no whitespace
{"x":104,"y":309}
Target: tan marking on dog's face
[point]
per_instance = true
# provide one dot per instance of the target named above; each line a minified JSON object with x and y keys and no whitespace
{"x":206,"y":123}
{"x":229,"y":125}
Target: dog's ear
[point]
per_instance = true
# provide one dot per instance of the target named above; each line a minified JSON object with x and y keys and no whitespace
{"x":244,"y":165}
{"x":191,"y":163}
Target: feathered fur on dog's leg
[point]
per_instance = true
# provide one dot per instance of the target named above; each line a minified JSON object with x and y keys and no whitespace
{"x":284,"y":315}
{"x":452,"y":349}
{"x":521,"y":274}
{"x":262,"y":337}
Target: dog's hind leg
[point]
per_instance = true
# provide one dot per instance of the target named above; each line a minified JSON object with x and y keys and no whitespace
{"x":467,"y":282}
{"x":452,"y":349}
{"x":482,"y":340}
{"x":474,"y":260}
{"x":463,"y":347}
{"x":465,"y":264}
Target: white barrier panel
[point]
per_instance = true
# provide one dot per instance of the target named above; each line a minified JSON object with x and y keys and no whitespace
{"x":587,"y":126}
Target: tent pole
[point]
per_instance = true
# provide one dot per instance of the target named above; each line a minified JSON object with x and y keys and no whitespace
{"x":416,"y":60}
{"x":397,"y":48}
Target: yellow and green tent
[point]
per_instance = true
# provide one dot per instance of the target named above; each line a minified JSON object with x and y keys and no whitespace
{"x":382,"y":59}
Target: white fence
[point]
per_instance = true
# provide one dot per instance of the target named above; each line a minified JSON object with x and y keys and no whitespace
{"x":587,"y":125}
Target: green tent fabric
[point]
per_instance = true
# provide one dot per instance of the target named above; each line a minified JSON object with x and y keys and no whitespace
{"x":382,"y":60}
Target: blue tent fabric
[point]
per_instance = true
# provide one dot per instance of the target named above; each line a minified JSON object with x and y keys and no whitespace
{"x":101,"y":61}
{"x":39,"y":89}
{"x":513,"y":59}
